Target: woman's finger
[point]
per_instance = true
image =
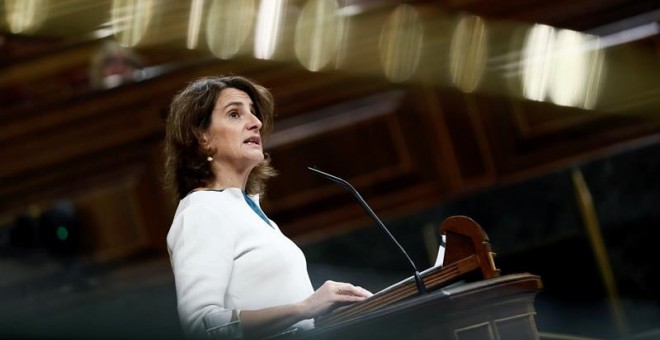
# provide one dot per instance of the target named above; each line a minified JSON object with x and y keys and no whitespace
{"x":349,"y":289}
{"x":364,"y":292}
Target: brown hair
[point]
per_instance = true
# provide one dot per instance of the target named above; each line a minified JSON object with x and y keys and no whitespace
{"x":186,"y":165}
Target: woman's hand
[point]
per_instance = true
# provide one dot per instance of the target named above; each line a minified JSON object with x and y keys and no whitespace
{"x":330,"y":296}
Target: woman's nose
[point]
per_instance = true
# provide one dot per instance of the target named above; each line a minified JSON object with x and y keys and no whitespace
{"x":255,"y":122}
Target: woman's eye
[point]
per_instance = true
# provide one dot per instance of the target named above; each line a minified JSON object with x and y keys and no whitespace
{"x":234,"y":114}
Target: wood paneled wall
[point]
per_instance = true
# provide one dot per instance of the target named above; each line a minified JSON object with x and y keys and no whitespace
{"x":404,"y":147}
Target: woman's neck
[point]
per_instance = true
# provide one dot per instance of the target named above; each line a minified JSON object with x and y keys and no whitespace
{"x":228,"y":178}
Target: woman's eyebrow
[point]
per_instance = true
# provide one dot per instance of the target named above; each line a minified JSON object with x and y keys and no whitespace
{"x":232,"y":104}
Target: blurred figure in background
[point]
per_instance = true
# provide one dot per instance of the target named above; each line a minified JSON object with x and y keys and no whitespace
{"x":114,"y":65}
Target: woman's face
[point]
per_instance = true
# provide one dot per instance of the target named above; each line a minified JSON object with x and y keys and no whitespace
{"x":234,"y":132}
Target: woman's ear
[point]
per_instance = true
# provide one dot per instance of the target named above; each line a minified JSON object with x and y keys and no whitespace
{"x":204,"y":139}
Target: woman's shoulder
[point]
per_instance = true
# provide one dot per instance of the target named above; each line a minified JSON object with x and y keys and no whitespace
{"x":204,"y":212}
{"x":210,"y":205}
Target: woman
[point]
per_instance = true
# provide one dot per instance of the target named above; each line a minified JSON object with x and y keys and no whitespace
{"x":236,"y":274}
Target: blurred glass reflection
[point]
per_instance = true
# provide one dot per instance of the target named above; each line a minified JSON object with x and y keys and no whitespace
{"x":318,"y":33}
{"x":563,"y":66}
{"x":400,"y":45}
{"x":268,"y":28}
{"x":130,"y":20}
{"x":24,"y":16}
{"x":468,"y":53}
{"x":228,"y":25}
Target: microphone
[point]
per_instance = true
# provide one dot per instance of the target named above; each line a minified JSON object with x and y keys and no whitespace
{"x":421,"y":289}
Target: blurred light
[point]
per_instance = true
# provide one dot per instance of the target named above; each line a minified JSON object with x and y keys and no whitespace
{"x":60,"y":229}
{"x":568,"y":86}
{"x":130,"y":20}
{"x":62,"y":233}
{"x":594,"y":74}
{"x":34,"y":210}
{"x":536,"y":65}
{"x":565,"y":66}
{"x":468,"y":53}
{"x":350,"y":10}
{"x":631,"y":34}
{"x":400,"y":43}
{"x":194,"y":23}
{"x":102,"y":33}
{"x":228,"y":25}
{"x":268,"y":27}
{"x":318,"y":33}
{"x":25,"y":15}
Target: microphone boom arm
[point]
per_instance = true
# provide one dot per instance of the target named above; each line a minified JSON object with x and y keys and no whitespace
{"x":421,"y":289}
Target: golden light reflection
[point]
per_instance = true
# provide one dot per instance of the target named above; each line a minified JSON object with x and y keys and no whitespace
{"x":228,"y":25}
{"x":318,"y":33}
{"x":400,"y":44}
{"x":194,"y":23}
{"x":130,"y":20}
{"x":468,"y":51}
{"x":563,"y":66}
{"x":268,"y":28}
{"x":24,"y":16}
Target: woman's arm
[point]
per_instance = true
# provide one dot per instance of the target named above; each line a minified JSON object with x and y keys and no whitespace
{"x":328,"y":297}
{"x":201,"y":254}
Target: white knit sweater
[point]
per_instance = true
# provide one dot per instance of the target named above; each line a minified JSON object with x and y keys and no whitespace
{"x":225,"y":257}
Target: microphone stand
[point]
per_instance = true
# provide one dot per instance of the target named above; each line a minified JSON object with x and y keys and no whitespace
{"x":421,"y":289}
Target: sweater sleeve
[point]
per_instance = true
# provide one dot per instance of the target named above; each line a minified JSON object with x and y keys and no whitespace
{"x":201,"y":250}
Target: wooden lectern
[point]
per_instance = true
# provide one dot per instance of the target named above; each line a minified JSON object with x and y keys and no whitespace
{"x":466,"y":298}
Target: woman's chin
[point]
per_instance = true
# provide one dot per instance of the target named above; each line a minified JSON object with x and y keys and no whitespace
{"x":257,"y":158}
